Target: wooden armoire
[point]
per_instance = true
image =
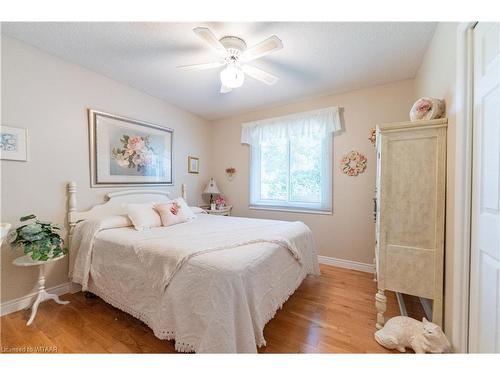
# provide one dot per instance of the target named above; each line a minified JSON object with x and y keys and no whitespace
{"x":410,"y":212}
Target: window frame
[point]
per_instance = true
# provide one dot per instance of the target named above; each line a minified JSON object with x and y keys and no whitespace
{"x":324,"y":207}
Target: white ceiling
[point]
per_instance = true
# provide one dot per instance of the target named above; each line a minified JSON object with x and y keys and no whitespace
{"x":317,"y":58}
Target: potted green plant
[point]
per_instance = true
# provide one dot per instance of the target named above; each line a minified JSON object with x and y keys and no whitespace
{"x":39,"y":239}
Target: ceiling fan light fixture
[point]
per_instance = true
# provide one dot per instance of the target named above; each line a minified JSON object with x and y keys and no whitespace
{"x":234,"y":55}
{"x":232,"y":76}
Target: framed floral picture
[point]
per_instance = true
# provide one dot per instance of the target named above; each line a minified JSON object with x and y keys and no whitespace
{"x":128,"y":152}
{"x":193,"y":165}
{"x":13,"y":143}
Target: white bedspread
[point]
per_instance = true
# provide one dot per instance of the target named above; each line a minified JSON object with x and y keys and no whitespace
{"x":230,"y":282}
{"x":165,"y":254}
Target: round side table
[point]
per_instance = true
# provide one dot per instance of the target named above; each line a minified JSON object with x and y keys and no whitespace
{"x":226,"y":211}
{"x":26,"y":261}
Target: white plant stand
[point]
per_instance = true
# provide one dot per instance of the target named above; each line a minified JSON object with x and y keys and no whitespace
{"x":26,"y":261}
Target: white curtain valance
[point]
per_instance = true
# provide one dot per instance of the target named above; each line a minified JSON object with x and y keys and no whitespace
{"x":318,"y":123}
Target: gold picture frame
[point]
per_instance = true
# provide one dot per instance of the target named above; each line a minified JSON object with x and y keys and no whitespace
{"x":193,"y":165}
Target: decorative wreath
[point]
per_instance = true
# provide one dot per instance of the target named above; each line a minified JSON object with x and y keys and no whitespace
{"x":353,"y":163}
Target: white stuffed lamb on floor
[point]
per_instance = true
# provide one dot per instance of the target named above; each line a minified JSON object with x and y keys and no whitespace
{"x":402,"y":332}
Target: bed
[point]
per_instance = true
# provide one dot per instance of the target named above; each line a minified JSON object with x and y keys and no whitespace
{"x":216,"y":300}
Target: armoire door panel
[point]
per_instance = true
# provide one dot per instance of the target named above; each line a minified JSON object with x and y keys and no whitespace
{"x":405,"y":265}
{"x":409,"y":178}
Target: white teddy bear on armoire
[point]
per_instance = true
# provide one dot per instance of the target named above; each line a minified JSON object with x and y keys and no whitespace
{"x":402,"y":332}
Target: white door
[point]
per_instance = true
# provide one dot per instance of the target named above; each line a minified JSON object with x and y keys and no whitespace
{"x":485,"y":246}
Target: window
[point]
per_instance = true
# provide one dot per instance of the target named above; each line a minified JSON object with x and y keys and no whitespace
{"x":294,"y":173}
{"x":291,"y":161}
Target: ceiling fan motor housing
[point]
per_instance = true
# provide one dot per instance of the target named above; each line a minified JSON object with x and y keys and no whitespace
{"x":234,"y":46}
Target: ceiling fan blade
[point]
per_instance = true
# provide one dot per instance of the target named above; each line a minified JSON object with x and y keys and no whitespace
{"x":208,"y":36}
{"x":265,"y":47}
{"x":194,"y":67}
{"x":259,"y":74}
{"x":225,"y":89}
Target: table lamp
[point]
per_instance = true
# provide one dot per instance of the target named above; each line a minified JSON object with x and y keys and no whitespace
{"x":211,"y":189}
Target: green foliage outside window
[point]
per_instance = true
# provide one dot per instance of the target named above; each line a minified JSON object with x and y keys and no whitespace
{"x":291,"y":170}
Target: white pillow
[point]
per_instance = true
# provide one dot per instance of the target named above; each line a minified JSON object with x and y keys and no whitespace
{"x":116,"y":221}
{"x":187,"y":212}
{"x":143,"y":215}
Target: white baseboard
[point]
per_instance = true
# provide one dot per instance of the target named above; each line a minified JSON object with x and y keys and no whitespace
{"x":21,"y":303}
{"x":349,"y":264}
{"x":74,"y":288}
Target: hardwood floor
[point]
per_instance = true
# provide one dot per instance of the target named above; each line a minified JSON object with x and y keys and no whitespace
{"x":332,"y":313}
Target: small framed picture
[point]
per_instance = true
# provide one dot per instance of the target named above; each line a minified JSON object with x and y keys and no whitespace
{"x":193,"y":164}
{"x":13,"y":143}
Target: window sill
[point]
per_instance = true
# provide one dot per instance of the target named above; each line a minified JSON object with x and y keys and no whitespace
{"x":291,"y":209}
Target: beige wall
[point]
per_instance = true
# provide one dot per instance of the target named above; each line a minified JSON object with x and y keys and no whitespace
{"x":49,"y":97}
{"x":437,"y":78}
{"x":349,"y":232}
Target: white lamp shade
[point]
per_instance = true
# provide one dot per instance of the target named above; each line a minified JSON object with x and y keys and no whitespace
{"x":211,"y":188}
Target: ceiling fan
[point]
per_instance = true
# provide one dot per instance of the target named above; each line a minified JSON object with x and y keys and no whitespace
{"x":234,"y":55}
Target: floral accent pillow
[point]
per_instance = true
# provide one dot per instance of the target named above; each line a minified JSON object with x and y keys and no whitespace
{"x":171,"y":213}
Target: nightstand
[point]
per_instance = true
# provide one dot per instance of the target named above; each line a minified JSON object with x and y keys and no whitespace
{"x":226,"y":211}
